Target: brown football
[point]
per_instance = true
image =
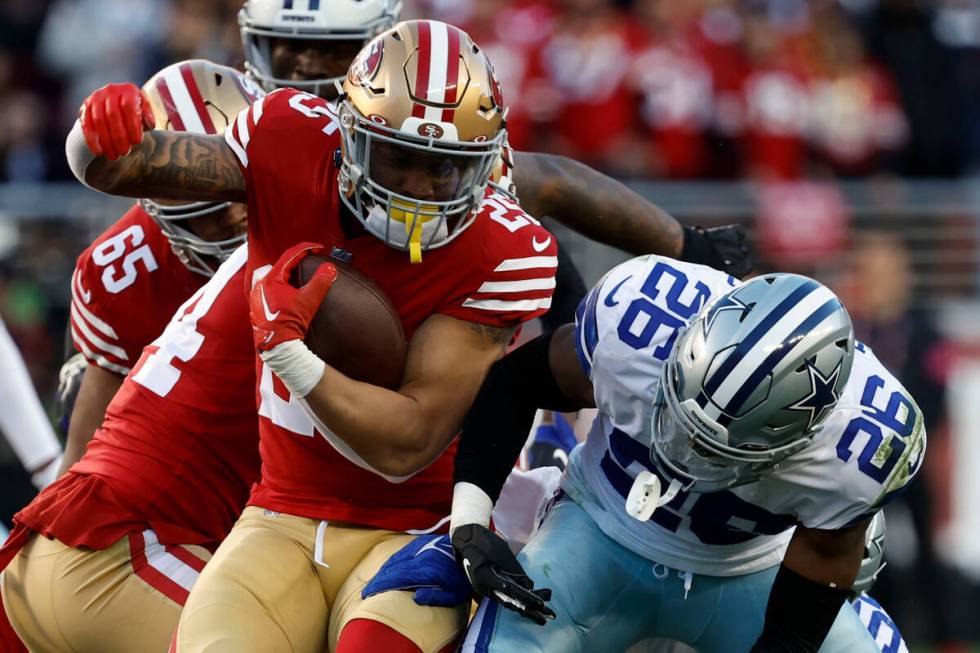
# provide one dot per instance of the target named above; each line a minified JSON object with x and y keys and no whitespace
{"x":356,"y":329}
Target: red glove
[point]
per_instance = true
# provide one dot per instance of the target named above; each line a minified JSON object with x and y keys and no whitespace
{"x":280,"y":311}
{"x":114,"y":118}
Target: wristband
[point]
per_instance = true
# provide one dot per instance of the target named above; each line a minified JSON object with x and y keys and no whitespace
{"x":77,"y":152}
{"x":297,"y":367}
{"x":471,"y":505}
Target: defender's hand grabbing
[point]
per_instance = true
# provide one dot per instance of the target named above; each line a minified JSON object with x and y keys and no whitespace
{"x":495,"y":573}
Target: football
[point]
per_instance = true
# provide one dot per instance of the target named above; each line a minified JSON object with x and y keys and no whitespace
{"x":356,"y":329}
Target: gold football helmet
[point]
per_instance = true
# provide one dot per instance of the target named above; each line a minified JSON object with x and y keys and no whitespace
{"x":422,"y":126}
{"x":201,"y":97}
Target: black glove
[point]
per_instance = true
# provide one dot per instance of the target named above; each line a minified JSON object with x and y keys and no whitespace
{"x":723,"y":248}
{"x":495,"y":573}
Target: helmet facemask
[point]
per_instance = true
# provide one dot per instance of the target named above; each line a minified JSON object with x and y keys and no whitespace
{"x":193,"y":251}
{"x":458,"y":171}
{"x":259,"y":30}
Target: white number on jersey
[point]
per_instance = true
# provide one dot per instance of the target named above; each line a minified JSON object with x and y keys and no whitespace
{"x":181,"y":339}
{"x":508,"y":213}
{"x":297,"y":102}
{"x":113,"y":248}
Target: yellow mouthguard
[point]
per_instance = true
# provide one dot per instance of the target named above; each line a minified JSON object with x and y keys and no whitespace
{"x":406,"y":214}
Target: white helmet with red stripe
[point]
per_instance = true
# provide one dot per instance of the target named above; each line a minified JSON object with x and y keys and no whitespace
{"x":261,"y":21}
{"x":200,"y":97}
{"x":422,"y":126}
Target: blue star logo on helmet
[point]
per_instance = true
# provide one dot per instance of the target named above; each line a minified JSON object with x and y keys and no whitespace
{"x":822,"y":393}
{"x":727,"y":302}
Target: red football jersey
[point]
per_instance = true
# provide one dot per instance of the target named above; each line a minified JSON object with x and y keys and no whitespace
{"x":500,"y":272}
{"x":125,"y":288}
{"x":178,"y":450}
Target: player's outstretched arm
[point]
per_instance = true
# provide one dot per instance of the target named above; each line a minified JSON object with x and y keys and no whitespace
{"x":542,"y":373}
{"x":810,"y":587}
{"x":113,"y":148}
{"x":605,"y":210}
{"x":98,"y":388}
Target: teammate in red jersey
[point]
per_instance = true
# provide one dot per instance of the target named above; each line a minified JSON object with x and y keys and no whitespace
{"x":129,"y":527}
{"x":130,"y":280}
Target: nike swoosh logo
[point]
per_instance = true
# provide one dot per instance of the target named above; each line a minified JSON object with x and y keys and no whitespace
{"x":540,"y":247}
{"x":269,"y":315}
{"x":610,"y":299}
{"x":434,"y":546}
{"x":466,"y":569}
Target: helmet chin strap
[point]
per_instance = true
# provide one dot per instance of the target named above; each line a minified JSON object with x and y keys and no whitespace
{"x":645,"y":497}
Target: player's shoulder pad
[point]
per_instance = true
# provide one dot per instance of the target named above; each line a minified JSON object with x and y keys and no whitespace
{"x":111,"y":284}
{"x":868,"y":450}
{"x":510,"y":263}
{"x":640,"y":304}
{"x":284,"y":117}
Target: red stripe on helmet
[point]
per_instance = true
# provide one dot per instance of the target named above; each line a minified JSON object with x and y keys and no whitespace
{"x":452,"y":72}
{"x":195,"y":93}
{"x":424,"y":63}
{"x":168,"y":105}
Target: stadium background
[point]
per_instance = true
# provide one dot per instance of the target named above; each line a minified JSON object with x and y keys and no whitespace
{"x":845,"y":136}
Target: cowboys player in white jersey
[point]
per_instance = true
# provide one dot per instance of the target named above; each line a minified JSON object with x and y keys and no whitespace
{"x":743,"y":443}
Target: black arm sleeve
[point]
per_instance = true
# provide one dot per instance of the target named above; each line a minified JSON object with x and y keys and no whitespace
{"x":569,"y":291}
{"x":799,"y":614}
{"x":497,"y":426}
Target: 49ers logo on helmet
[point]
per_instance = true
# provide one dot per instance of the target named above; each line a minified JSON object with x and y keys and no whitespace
{"x":430,"y":130}
{"x":366,"y":66}
{"x":498,"y":97}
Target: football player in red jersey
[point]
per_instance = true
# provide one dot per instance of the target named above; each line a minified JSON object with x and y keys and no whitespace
{"x":130,"y":280}
{"x":274,"y":138}
{"x":126,"y":530}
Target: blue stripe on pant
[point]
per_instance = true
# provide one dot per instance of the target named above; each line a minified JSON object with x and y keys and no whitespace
{"x":607,"y":598}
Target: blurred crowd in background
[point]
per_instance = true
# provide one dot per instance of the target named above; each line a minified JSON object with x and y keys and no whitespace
{"x":804,"y":91}
{"x":640,"y":88}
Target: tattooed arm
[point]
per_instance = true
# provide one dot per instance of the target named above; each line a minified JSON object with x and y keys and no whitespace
{"x":165,"y":165}
{"x":594,"y":205}
{"x":399,"y":432}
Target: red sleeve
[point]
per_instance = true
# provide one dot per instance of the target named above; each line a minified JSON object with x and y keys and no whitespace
{"x":510,"y":272}
{"x":271,"y":121}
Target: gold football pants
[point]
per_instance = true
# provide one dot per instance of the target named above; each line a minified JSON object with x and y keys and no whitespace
{"x":285,"y":583}
{"x":120,"y":599}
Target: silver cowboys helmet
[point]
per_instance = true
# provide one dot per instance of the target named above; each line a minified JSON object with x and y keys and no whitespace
{"x":750,"y":381}
{"x":260,"y":21}
{"x":201,"y":97}
{"x":874,"y":556}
